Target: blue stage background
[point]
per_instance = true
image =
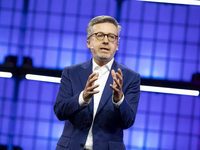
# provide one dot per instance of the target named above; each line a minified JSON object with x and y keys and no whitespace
{"x":160,"y":41}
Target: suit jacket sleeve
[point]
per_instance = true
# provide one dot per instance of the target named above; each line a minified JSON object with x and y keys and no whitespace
{"x":67,"y":101}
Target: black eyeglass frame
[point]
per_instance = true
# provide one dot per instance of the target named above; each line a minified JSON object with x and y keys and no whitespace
{"x":116,"y":37}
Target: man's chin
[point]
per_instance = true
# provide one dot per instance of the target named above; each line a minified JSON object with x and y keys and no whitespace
{"x":104,"y":58}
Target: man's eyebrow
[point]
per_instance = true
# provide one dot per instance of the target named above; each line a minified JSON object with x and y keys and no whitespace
{"x":105,"y":33}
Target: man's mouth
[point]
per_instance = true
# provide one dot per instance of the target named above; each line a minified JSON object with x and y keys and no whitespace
{"x":104,"y":48}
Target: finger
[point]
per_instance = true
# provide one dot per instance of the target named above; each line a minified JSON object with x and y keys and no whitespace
{"x":119,"y":76}
{"x":93,"y":80}
{"x":117,"y":84}
{"x":120,"y":79}
{"x":114,"y":88}
{"x":120,"y":72}
{"x":93,"y":92}
{"x":113,"y":74}
{"x":91,"y":88}
{"x":93,"y":75}
{"x":114,"y":77}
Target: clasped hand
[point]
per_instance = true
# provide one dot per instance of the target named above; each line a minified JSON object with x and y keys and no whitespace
{"x":116,"y":86}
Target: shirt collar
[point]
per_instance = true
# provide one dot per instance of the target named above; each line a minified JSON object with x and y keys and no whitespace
{"x":96,"y":67}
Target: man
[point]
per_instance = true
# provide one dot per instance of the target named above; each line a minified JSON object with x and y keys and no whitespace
{"x":99,"y":98}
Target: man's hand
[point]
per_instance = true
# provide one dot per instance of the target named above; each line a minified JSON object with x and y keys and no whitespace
{"x":89,"y":88}
{"x":117,"y":85}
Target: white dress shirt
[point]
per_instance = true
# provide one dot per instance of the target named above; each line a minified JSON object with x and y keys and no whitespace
{"x":104,"y":72}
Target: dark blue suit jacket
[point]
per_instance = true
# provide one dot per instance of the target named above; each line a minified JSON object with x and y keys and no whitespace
{"x":109,"y":121}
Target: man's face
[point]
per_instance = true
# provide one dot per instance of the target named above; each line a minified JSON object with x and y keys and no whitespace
{"x":103,"y":50}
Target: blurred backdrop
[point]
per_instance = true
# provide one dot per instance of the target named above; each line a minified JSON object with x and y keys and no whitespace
{"x":159,"y":41}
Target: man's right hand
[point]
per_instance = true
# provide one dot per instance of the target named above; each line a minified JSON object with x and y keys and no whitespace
{"x":89,"y":88}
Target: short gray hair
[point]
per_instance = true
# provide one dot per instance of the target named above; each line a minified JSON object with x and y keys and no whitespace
{"x":102,"y":19}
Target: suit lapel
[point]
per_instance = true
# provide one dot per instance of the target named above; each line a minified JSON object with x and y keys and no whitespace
{"x":107,"y":93}
{"x":84,"y":73}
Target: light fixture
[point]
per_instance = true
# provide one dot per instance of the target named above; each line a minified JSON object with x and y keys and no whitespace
{"x":185,"y":2}
{"x":42,"y":78}
{"x":5,"y":74}
{"x":144,"y":88}
{"x":169,"y":90}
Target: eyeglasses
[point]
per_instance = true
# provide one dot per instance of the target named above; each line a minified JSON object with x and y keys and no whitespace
{"x":100,"y":36}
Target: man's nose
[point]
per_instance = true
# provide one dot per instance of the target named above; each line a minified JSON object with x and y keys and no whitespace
{"x":106,"y":39}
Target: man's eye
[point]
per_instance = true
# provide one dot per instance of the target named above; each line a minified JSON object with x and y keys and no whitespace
{"x":112,"y":36}
{"x":100,"y":35}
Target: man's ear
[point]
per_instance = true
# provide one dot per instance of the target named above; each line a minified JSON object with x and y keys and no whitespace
{"x":117,"y":48}
{"x":88,"y":44}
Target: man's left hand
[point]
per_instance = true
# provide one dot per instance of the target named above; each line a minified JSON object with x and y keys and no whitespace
{"x":117,"y":85}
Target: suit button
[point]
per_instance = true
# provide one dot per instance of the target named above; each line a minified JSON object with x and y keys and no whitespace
{"x":81,"y":145}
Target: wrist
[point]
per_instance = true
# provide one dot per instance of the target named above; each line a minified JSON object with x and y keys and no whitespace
{"x":118,"y":98}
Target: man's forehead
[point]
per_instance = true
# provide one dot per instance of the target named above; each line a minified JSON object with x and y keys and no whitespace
{"x":104,"y":27}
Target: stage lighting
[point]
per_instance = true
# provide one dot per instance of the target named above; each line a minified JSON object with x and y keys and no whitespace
{"x":169,"y":90}
{"x":42,"y":78}
{"x":184,"y":2}
{"x":5,"y":74}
